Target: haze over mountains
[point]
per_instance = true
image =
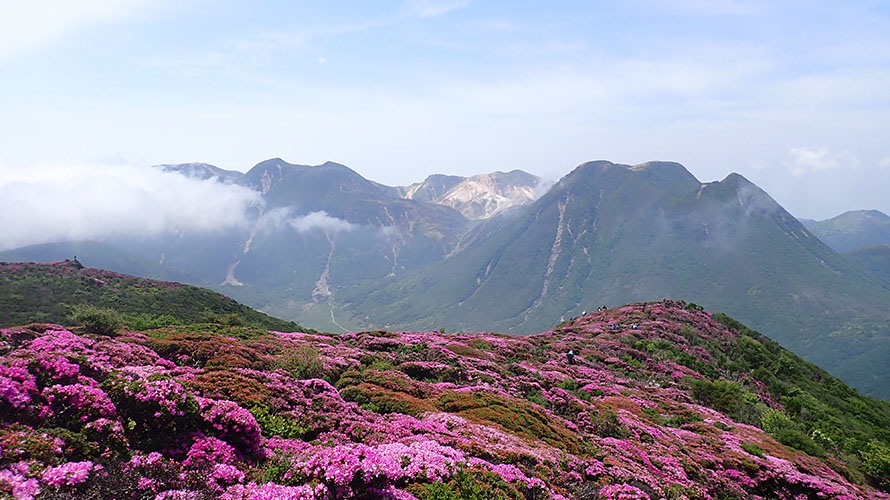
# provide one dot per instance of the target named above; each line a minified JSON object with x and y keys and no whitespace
{"x":332,"y":250}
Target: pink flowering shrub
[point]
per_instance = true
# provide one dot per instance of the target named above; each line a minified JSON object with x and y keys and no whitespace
{"x":622,"y":492}
{"x":78,"y":402}
{"x":14,"y":481}
{"x":68,"y":474}
{"x":180,"y":414}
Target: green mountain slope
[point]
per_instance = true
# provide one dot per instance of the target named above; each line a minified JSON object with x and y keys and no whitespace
{"x":99,"y":255}
{"x":611,"y":233}
{"x":875,"y":259}
{"x":46,"y":292}
{"x":853,"y":229}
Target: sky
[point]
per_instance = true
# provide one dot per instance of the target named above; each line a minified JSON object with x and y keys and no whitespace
{"x":794,"y":95}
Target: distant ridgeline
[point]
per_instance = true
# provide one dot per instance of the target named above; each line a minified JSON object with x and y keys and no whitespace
{"x":338,"y":252}
{"x":660,"y":401}
{"x":53,"y":293}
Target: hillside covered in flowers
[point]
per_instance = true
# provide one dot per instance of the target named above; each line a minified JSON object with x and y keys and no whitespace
{"x":661,"y":400}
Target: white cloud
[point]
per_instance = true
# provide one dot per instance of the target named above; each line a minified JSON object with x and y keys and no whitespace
{"x":322,"y":60}
{"x":885,"y":163}
{"x":433,"y":8}
{"x":805,"y":160}
{"x":280,"y":217}
{"x":320,"y":220}
{"x":94,"y":202}
{"x":34,"y":23}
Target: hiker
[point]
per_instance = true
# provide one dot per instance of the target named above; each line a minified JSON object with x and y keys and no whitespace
{"x":571,"y":356}
{"x":614,"y":326}
{"x":634,"y":326}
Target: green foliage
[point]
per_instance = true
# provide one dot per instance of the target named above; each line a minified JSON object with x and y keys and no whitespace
{"x":302,"y":362}
{"x":98,"y":320}
{"x":727,"y":397}
{"x":38,"y":293}
{"x":275,"y":469}
{"x":147,"y":321}
{"x":876,"y":461}
{"x":722,"y":426}
{"x":284,"y":426}
{"x":796,"y":438}
{"x":753,"y":449}
{"x":412,"y":348}
{"x":773,"y":421}
{"x":606,"y":424}
{"x":471,"y":484}
{"x":535,"y":396}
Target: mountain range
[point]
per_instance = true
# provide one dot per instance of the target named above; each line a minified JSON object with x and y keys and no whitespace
{"x":335,"y":251}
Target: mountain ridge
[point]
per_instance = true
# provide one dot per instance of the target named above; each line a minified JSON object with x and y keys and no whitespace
{"x":610,"y":233}
{"x":853,"y":229}
{"x":34,"y":293}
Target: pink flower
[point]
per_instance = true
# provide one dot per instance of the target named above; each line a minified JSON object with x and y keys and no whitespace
{"x":68,"y":474}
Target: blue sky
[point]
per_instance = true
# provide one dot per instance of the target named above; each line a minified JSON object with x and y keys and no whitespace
{"x":793,"y":95}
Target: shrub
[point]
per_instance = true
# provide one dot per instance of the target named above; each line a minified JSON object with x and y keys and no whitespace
{"x":101,"y":321}
{"x":721,"y":395}
{"x":148,"y":321}
{"x":876,"y":460}
{"x":772,"y":421}
{"x":469,"y":484}
{"x":753,"y":449}
{"x":271,"y":424}
{"x":302,"y":362}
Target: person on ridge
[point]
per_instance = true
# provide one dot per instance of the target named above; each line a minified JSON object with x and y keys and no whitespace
{"x":571,"y":356}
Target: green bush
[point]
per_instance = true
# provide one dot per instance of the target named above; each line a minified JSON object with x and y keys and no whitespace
{"x":753,"y":449}
{"x":470,"y":484}
{"x":302,"y":362}
{"x":796,"y":438}
{"x":876,"y":460}
{"x":148,"y":321}
{"x":101,"y":321}
{"x":606,"y":424}
{"x":772,"y":421}
{"x":721,"y":395}
{"x":273,"y":424}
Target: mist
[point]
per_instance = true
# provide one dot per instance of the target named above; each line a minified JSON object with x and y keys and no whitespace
{"x":92,"y":203}
{"x":281,"y":217}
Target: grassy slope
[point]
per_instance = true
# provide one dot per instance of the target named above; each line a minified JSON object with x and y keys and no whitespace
{"x":853,"y":229}
{"x":875,"y":259}
{"x":44,"y":293}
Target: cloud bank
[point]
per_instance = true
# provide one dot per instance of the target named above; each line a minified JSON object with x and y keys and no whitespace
{"x":282,"y":217}
{"x":78,"y":203}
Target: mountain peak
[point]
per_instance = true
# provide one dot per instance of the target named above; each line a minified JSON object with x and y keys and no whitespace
{"x":875,"y":215}
{"x":477,"y":197}
{"x":853,"y":229}
{"x":750,"y":196}
{"x":202,"y":171}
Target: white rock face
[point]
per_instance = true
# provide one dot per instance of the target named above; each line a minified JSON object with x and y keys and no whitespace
{"x":477,"y":197}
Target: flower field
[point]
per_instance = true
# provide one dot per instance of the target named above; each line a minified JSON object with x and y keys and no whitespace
{"x":685,"y":405}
